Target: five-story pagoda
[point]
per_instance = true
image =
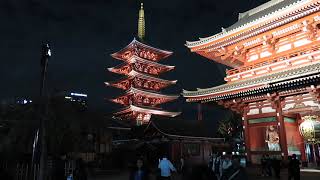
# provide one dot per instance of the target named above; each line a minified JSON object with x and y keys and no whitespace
{"x":141,"y":83}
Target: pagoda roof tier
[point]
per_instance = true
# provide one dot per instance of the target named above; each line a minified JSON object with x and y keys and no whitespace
{"x":255,"y":85}
{"x":142,"y":65}
{"x":141,"y":81}
{"x":131,"y":110}
{"x":137,"y":96}
{"x":142,"y":50}
{"x":267,"y":16}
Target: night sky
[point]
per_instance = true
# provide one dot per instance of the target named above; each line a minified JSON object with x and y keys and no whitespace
{"x":83,"y":34}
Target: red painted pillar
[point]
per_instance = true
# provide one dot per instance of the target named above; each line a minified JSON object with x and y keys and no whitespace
{"x":302,"y":145}
{"x":246,"y":135}
{"x":282,"y":129}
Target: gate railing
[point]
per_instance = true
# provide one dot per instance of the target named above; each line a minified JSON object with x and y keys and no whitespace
{"x":24,"y":171}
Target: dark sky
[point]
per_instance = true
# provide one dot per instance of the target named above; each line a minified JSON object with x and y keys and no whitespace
{"x":83,"y":34}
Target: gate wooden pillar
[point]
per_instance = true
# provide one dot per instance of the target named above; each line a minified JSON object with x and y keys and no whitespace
{"x":246,"y":134}
{"x":278,"y":101}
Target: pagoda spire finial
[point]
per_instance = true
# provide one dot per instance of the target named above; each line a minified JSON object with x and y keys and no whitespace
{"x":141,"y":24}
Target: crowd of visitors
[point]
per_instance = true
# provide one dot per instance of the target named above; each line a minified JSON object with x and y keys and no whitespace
{"x":226,"y":167}
{"x":141,"y":171}
{"x":294,"y":168}
{"x":269,"y":165}
{"x":220,"y":167}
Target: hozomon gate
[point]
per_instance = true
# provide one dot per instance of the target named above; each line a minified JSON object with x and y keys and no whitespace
{"x":274,"y":53}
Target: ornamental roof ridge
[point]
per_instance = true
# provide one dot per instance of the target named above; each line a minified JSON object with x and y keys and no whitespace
{"x":146,"y":107}
{"x":153,"y":93}
{"x":174,"y":134}
{"x":262,"y":80}
{"x":152,"y":62}
{"x":129,"y":107}
{"x":134,"y":41}
{"x":160,"y":112}
{"x":140,"y":59}
{"x":259,"y":89}
{"x":259,"y":8}
{"x":156,"y":49}
{"x":118,"y":80}
{"x":118,"y":66}
{"x":230,"y":30}
{"x":136,"y":73}
{"x":153,"y":110}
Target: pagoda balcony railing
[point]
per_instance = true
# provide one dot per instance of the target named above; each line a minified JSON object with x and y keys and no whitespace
{"x":281,"y":57}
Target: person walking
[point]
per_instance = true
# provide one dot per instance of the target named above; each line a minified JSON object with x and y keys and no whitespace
{"x":236,"y":171}
{"x":166,"y":167}
{"x":80,"y":170}
{"x":264,"y":166}
{"x":226,"y":164}
{"x":139,"y":172}
{"x":211,"y":173}
{"x":210,"y":163}
{"x":276,"y":164}
{"x":182,"y":165}
{"x":294,"y":168}
{"x":268,"y":165}
{"x":216,"y":164}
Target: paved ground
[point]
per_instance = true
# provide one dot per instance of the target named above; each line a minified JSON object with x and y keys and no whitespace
{"x":284,"y":175}
{"x":253,"y":174}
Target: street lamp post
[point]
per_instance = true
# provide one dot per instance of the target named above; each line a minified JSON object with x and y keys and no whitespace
{"x":46,"y":54}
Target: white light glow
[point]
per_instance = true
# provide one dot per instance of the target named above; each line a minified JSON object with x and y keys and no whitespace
{"x":78,"y":94}
{"x":310,"y":170}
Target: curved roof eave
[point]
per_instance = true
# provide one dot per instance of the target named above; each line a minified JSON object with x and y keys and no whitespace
{"x":234,"y":29}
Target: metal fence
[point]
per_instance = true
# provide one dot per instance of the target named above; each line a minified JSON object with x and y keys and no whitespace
{"x":24,"y":171}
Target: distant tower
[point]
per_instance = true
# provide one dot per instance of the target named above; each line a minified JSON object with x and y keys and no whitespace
{"x":142,"y":86}
{"x":141,"y":24}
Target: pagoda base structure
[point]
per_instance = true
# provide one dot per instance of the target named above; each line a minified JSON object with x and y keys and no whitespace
{"x":142,"y":114}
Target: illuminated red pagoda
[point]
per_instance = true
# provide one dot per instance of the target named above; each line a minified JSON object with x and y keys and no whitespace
{"x":141,"y":83}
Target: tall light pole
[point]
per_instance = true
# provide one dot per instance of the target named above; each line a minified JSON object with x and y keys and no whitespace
{"x":45,"y":56}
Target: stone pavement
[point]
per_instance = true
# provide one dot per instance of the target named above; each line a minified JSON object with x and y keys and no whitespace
{"x":253,"y":174}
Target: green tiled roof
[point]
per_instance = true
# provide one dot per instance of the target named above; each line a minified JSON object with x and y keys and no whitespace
{"x":272,"y":9}
{"x":262,"y":80}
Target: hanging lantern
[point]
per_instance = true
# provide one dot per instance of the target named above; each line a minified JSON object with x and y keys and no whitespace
{"x":310,"y":129}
